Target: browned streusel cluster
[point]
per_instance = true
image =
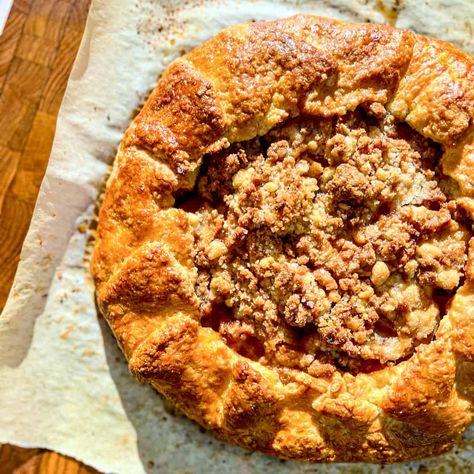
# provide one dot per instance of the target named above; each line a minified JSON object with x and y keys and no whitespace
{"x":328,"y":243}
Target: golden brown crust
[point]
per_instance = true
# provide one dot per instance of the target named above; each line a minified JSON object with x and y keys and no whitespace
{"x":241,"y":84}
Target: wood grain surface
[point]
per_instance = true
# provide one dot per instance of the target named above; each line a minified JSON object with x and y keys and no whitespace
{"x":37,"y":50}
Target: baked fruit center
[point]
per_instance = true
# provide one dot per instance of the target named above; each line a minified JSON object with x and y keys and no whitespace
{"x":328,"y":243}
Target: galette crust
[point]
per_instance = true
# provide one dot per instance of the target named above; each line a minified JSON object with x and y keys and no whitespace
{"x":239,"y":85}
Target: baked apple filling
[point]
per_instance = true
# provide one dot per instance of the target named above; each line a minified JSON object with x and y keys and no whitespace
{"x":328,"y":243}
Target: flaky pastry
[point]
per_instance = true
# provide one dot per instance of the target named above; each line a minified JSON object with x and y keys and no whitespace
{"x":284,"y":248}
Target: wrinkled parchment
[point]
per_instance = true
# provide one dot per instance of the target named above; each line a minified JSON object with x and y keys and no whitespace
{"x":64,"y":385}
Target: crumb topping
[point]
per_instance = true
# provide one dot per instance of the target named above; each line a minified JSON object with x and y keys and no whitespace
{"x":328,"y":243}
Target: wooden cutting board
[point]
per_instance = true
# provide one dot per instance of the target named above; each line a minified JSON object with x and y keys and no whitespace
{"x":37,"y":50}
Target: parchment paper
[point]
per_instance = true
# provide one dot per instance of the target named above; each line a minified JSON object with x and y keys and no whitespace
{"x":64,"y":385}
{"x":5,"y":6}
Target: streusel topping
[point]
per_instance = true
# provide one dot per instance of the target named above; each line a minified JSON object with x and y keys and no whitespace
{"x":328,"y":243}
